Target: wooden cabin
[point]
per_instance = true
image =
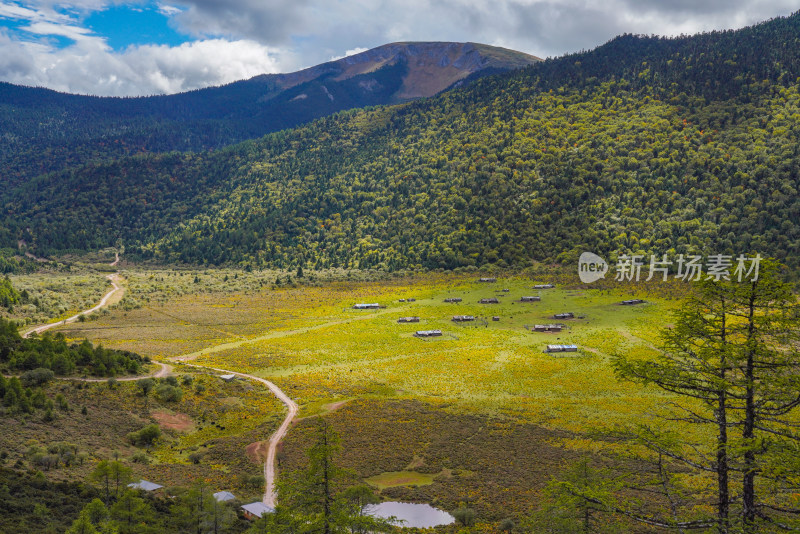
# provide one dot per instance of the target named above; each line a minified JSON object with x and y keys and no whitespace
{"x":145,"y":485}
{"x":632,"y":302}
{"x":562,"y":348}
{"x":256,"y":510}
{"x":548,"y":327}
{"x":370,"y":306}
{"x":567,"y":315}
{"x":428,"y":333}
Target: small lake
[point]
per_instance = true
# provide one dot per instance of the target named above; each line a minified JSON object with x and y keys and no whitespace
{"x":415,"y":515}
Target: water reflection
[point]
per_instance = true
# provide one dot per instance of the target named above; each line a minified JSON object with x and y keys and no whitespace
{"x":414,"y":515}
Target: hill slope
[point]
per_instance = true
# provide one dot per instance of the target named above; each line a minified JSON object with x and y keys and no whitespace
{"x":642,"y":145}
{"x":73,"y":129}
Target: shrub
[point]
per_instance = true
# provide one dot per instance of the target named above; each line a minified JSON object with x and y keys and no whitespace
{"x":37,"y":377}
{"x":140,"y":458}
{"x":169,"y":393}
{"x":146,"y":436}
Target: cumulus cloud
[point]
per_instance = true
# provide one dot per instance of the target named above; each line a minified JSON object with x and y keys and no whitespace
{"x":241,"y":38}
{"x":90,"y":67}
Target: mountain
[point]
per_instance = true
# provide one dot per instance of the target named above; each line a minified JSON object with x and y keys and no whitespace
{"x":643,"y":145}
{"x":74,"y":129}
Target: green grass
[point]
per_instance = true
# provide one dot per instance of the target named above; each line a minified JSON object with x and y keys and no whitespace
{"x":401,"y":478}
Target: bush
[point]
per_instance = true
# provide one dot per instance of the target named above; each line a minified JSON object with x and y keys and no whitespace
{"x":169,"y":393}
{"x":140,"y":458}
{"x":465,"y":516}
{"x":146,"y":436}
{"x":37,"y":377}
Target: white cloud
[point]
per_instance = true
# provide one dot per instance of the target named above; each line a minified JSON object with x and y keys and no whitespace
{"x":240,"y":38}
{"x":89,"y":67}
{"x":64,"y":30}
{"x":351,"y":52}
{"x":167,"y":10}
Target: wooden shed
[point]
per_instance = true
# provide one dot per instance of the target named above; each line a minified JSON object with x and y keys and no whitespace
{"x":548,"y":327}
{"x":145,"y":485}
{"x":530,"y":299}
{"x":428,"y":333}
{"x":370,"y":306}
{"x":408,"y":320}
{"x":562,"y":348}
{"x":631,"y":302}
{"x":491,"y":300}
{"x":567,"y":315}
{"x":452,"y":299}
{"x":256,"y":510}
{"x":462,"y":318}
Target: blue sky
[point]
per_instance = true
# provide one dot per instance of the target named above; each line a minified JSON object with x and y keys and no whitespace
{"x":126,"y":25}
{"x":118,"y":47}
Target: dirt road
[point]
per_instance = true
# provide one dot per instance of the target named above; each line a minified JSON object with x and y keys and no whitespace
{"x":116,"y":288}
{"x":270,"y":474}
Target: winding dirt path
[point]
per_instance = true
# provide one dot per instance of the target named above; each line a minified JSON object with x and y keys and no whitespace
{"x":270,"y":474}
{"x":116,"y":288}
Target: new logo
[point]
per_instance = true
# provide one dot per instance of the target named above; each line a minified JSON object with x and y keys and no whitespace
{"x":591,"y":267}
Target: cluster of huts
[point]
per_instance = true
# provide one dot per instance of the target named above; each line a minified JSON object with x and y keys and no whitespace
{"x":552,"y":327}
{"x":253,"y":510}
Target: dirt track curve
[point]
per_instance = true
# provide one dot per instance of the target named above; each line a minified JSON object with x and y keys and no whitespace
{"x":270,"y":474}
{"x":113,"y":278}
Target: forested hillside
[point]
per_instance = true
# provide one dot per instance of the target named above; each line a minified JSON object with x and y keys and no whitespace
{"x":45,"y":131}
{"x":645,"y":144}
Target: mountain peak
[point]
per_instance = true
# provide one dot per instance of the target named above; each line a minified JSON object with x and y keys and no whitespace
{"x":431,"y":66}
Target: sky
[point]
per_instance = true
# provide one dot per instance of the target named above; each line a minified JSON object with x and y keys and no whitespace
{"x":129,"y":48}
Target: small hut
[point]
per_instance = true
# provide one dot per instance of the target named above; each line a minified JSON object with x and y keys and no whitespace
{"x":370,"y":306}
{"x":544,"y":286}
{"x":428,"y":333}
{"x":256,"y":510}
{"x":452,"y":299}
{"x":631,"y":302}
{"x":495,"y":318}
{"x":491,"y":300}
{"x":548,"y":327}
{"x":488,"y":280}
{"x":145,"y":485}
{"x":567,"y":315}
{"x":224,"y":496}
{"x":411,"y":300}
{"x":462,"y":318}
{"x":530,"y":299}
{"x":408,"y":320}
{"x":562,"y":348}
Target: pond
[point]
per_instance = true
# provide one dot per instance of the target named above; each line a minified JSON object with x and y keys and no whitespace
{"x":414,"y":515}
